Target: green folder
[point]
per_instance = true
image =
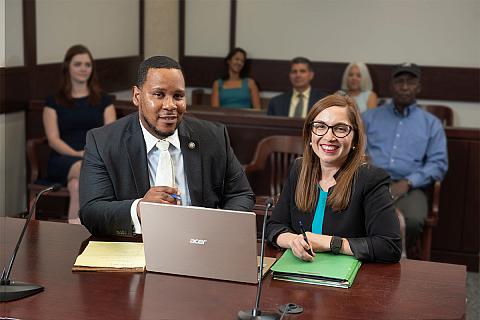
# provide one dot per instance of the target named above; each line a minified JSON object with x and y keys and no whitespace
{"x":327,"y":269}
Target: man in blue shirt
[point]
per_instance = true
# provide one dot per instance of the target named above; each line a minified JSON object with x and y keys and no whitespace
{"x":410,"y":144}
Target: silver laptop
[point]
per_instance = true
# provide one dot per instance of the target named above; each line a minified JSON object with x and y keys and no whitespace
{"x":200,"y":242}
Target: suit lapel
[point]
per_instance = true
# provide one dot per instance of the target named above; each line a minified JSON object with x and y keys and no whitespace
{"x":312,"y":99}
{"x":137,"y":156}
{"x":286,"y":103}
{"x":192,"y":162}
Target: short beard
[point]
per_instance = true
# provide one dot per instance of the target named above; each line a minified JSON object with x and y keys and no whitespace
{"x":157,"y":133}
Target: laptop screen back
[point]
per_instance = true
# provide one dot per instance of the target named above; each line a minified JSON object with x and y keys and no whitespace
{"x":201,"y":242}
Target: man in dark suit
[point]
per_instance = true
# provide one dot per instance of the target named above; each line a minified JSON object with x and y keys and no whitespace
{"x":129,"y":161}
{"x":299,"y":100}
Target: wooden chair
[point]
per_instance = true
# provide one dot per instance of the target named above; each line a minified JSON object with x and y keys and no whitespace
{"x":38,"y":151}
{"x":200,"y":98}
{"x":433,"y":194}
{"x":423,"y":246}
{"x":275,"y":154}
{"x":444,"y":113}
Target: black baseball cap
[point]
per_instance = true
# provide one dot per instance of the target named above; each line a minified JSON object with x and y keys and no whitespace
{"x":406,"y":67}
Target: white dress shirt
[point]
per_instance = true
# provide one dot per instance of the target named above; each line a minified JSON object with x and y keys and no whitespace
{"x":294,"y":101}
{"x":152,"y":158}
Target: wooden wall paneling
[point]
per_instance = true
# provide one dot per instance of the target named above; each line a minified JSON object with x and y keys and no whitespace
{"x":3,"y":106}
{"x":201,"y":72}
{"x":450,"y":83}
{"x":438,"y":83}
{"x":246,"y":131}
{"x":233,"y":23}
{"x":29,"y":32}
{"x":471,"y":225}
{"x":452,"y":200}
{"x":181,"y":29}
{"x":469,"y":259}
{"x":271,"y":75}
{"x":45,"y":80}
{"x":456,"y":238}
{"x":16,"y":86}
{"x":114,"y":74}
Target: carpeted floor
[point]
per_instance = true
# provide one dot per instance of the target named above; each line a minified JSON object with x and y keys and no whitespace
{"x":473,"y":297}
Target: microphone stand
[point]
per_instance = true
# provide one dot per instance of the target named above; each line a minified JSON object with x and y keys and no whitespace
{"x":13,"y":290}
{"x":256,"y":313}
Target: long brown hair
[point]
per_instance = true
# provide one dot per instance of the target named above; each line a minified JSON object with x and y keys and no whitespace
{"x":244,"y":71}
{"x":306,"y":194}
{"x":64,"y":94}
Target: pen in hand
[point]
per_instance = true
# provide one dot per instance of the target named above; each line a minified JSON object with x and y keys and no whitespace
{"x":177,"y":197}
{"x":310,"y":252}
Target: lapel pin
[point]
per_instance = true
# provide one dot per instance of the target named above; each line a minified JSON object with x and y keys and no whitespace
{"x":191,"y":145}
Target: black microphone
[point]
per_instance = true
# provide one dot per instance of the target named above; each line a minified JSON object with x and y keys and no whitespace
{"x":14,"y":290}
{"x":256,"y":313}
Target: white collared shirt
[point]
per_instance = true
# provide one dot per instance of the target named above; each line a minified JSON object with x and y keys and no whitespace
{"x":153,"y":155}
{"x":294,"y":101}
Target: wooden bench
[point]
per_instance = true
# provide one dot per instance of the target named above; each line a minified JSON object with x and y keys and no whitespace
{"x":200,"y":97}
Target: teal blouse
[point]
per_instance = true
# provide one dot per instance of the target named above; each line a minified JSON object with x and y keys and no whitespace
{"x":317,"y":224}
{"x":235,"y":97}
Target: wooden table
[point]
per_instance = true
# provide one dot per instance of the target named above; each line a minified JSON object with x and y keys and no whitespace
{"x":406,"y":290}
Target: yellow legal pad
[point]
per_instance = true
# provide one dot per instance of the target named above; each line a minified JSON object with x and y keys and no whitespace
{"x":111,"y":257}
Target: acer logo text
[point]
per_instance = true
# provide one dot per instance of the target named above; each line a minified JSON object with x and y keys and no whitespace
{"x":198,"y":241}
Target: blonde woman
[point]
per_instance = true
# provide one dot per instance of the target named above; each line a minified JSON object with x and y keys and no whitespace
{"x":357,"y":83}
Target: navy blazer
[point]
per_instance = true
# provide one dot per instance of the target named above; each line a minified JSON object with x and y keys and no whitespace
{"x":369,"y":223}
{"x":280,"y":105}
{"x":115,"y":172}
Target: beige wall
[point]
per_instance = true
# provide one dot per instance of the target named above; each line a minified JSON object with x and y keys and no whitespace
{"x":12,"y":168}
{"x":109,"y":28}
{"x":429,"y":32}
{"x":2,"y":33}
{"x":12,"y":127}
{"x":161,"y":28}
{"x":207,"y":28}
{"x":13,"y":33}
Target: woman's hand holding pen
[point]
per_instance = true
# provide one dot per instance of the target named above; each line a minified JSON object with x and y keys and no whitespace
{"x":300,"y":248}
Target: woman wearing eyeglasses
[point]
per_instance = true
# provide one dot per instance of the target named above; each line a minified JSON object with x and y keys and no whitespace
{"x":342,"y":202}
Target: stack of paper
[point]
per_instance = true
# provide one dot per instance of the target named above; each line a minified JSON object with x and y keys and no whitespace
{"x":111,"y":257}
{"x":327,"y":269}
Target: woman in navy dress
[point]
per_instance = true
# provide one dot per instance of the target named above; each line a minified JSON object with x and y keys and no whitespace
{"x":78,"y":106}
{"x":235,"y":89}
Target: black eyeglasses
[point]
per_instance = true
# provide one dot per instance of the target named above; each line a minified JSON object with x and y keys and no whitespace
{"x":340,"y":130}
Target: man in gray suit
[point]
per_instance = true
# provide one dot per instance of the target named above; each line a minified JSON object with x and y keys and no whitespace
{"x":124,"y":162}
